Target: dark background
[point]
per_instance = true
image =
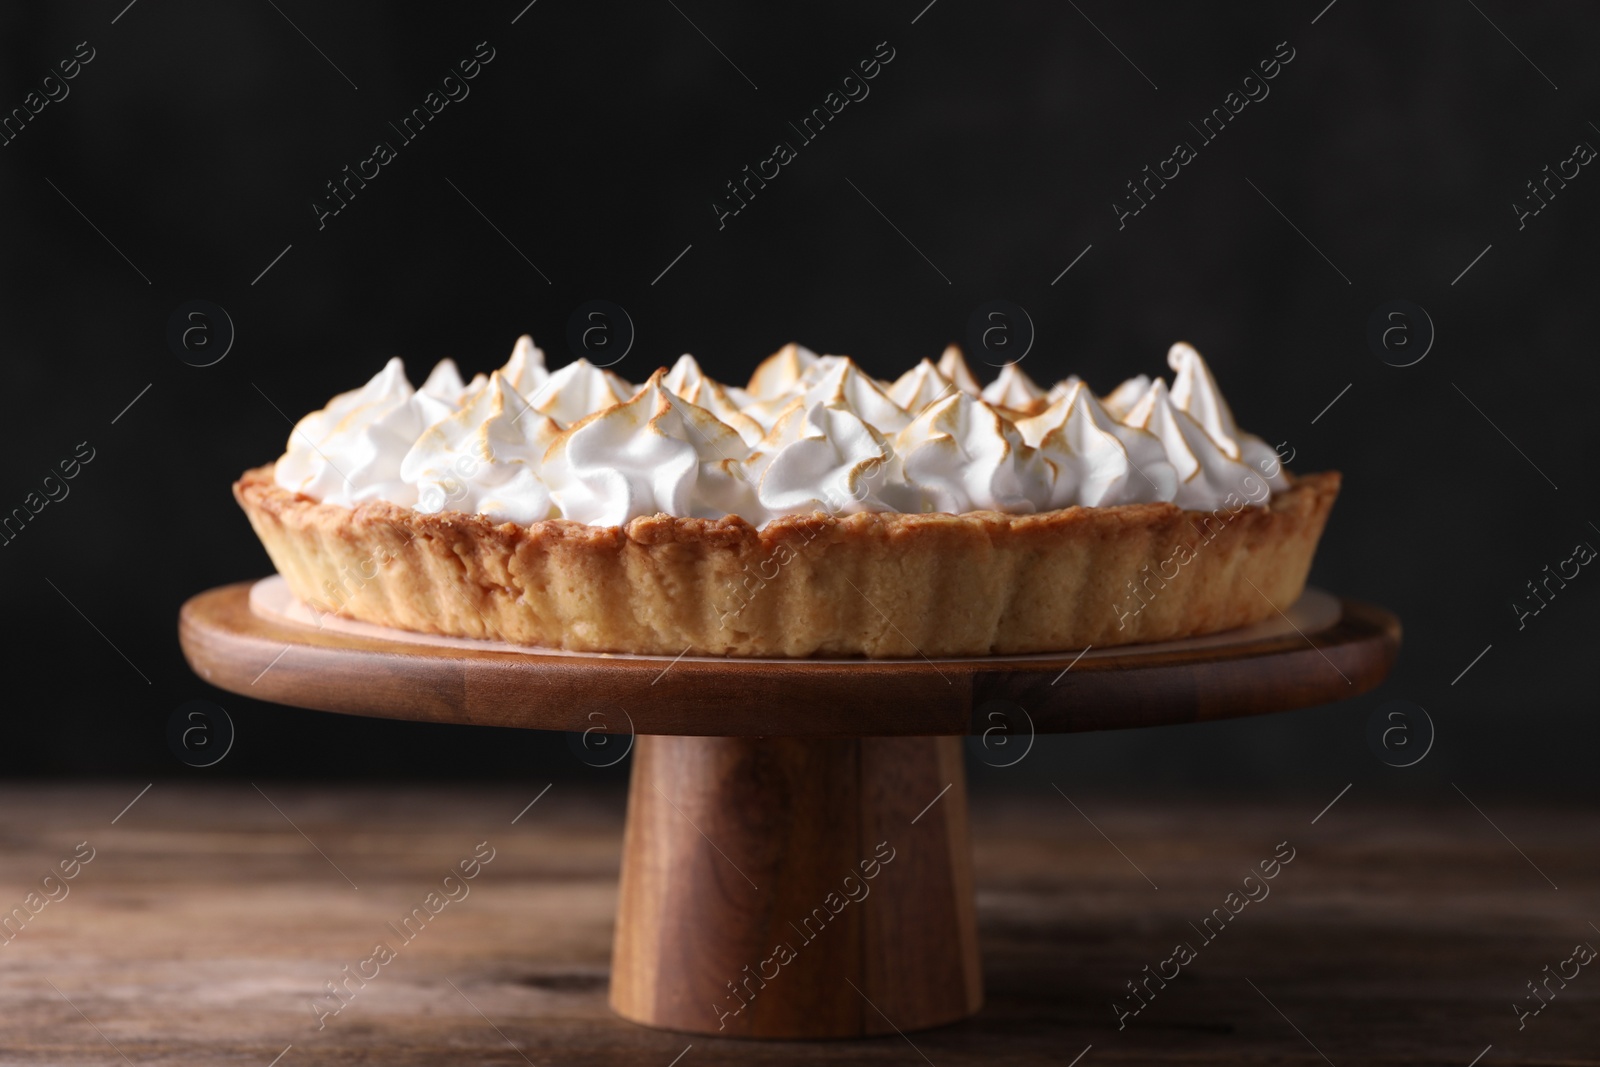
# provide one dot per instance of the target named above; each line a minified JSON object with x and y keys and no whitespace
{"x":996,"y":140}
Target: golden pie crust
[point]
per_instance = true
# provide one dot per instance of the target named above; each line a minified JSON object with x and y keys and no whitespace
{"x":873,"y":584}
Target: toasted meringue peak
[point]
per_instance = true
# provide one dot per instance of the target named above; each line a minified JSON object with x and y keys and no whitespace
{"x":525,"y":370}
{"x":1061,"y":389}
{"x":812,"y":433}
{"x":350,"y":451}
{"x":1205,"y":473}
{"x":1110,"y":463}
{"x":654,"y":453}
{"x":685,"y":376}
{"x":485,"y":459}
{"x":825,"y":458}
{"x":780,"y":371}
{"x":578,"y":390}
{"x":1195,"y":391}
{"x":840,"y":381}
{"x":961,"y":455}
{"x":817,"y":369}
{"x":687,"y":380}
{"x":444,"y":381}
{"x":1014,"y":390}
{"x":766,"y":413}
{"x":919,"y":387}
{"x":1120,"y":400}
{"x":953,"y":365}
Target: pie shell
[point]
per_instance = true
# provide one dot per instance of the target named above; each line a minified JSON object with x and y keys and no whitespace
{"x":881,"y":584}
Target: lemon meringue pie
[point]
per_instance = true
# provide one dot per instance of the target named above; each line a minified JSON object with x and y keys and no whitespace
{"x":816,"y":511}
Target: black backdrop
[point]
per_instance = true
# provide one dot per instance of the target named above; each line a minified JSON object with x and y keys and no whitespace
{"x":585,"y":158}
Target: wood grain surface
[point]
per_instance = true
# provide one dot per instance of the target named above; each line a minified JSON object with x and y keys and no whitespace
{"x":1401,"y":933}
{"x":796,"y":887}
{"x":234,"y":649}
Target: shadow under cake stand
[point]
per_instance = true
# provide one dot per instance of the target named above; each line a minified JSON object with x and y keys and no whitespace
{"x":796,"y":861}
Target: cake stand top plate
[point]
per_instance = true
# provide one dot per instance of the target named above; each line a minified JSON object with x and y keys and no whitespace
{"x":254,"y":639}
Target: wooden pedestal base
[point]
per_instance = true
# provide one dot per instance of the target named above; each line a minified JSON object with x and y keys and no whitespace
{"x":810,"y":885}
{"x":796,"y":887}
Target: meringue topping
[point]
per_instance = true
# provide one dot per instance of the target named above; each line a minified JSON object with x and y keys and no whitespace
{"x":1109,"y":463}
{"x":350,"y":451}
{"x":961,"y":455}
{"x":688,"y":381}
{"x":1195,"y":391}
{"x":485,"y":459}
{"x":809,"y":434}
{"x":444,"y":382}
{"x":525,"y":371}
{"x":953,"y":365}
{"x":842,"y":382}
{"x":1013,"y":389}
{"x":1205,"y":470}
{"x":919,"y":387}
{"x":578,"y":390}
{"x":824,"y":458}
{"x":654,"y":453}
{"x":1120,"y":400}
{"x":778,"y":373}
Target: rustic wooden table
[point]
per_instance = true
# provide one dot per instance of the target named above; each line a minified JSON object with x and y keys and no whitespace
{"x":209,"y":919}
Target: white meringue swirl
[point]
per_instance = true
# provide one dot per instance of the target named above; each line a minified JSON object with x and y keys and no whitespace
{"x":919,"y":387}
{"x":1206,"y":473}
{"x":350,"y":451}
{"x":1195,"y":391}
{"x":961,"y":455}
{"x":1109,"y":463}
{"x":811,"y":433}
{"x":578,"y":390}
{"x":485,"y":459}
{"x":823,"y":458}
{"x":1013,"y":390}
{"x":655,"y":453}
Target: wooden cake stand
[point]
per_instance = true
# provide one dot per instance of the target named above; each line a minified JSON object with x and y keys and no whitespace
{"x":796,"y":860}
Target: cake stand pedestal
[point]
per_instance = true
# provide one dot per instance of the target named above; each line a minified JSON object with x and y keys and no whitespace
{"x":796,"y":861}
